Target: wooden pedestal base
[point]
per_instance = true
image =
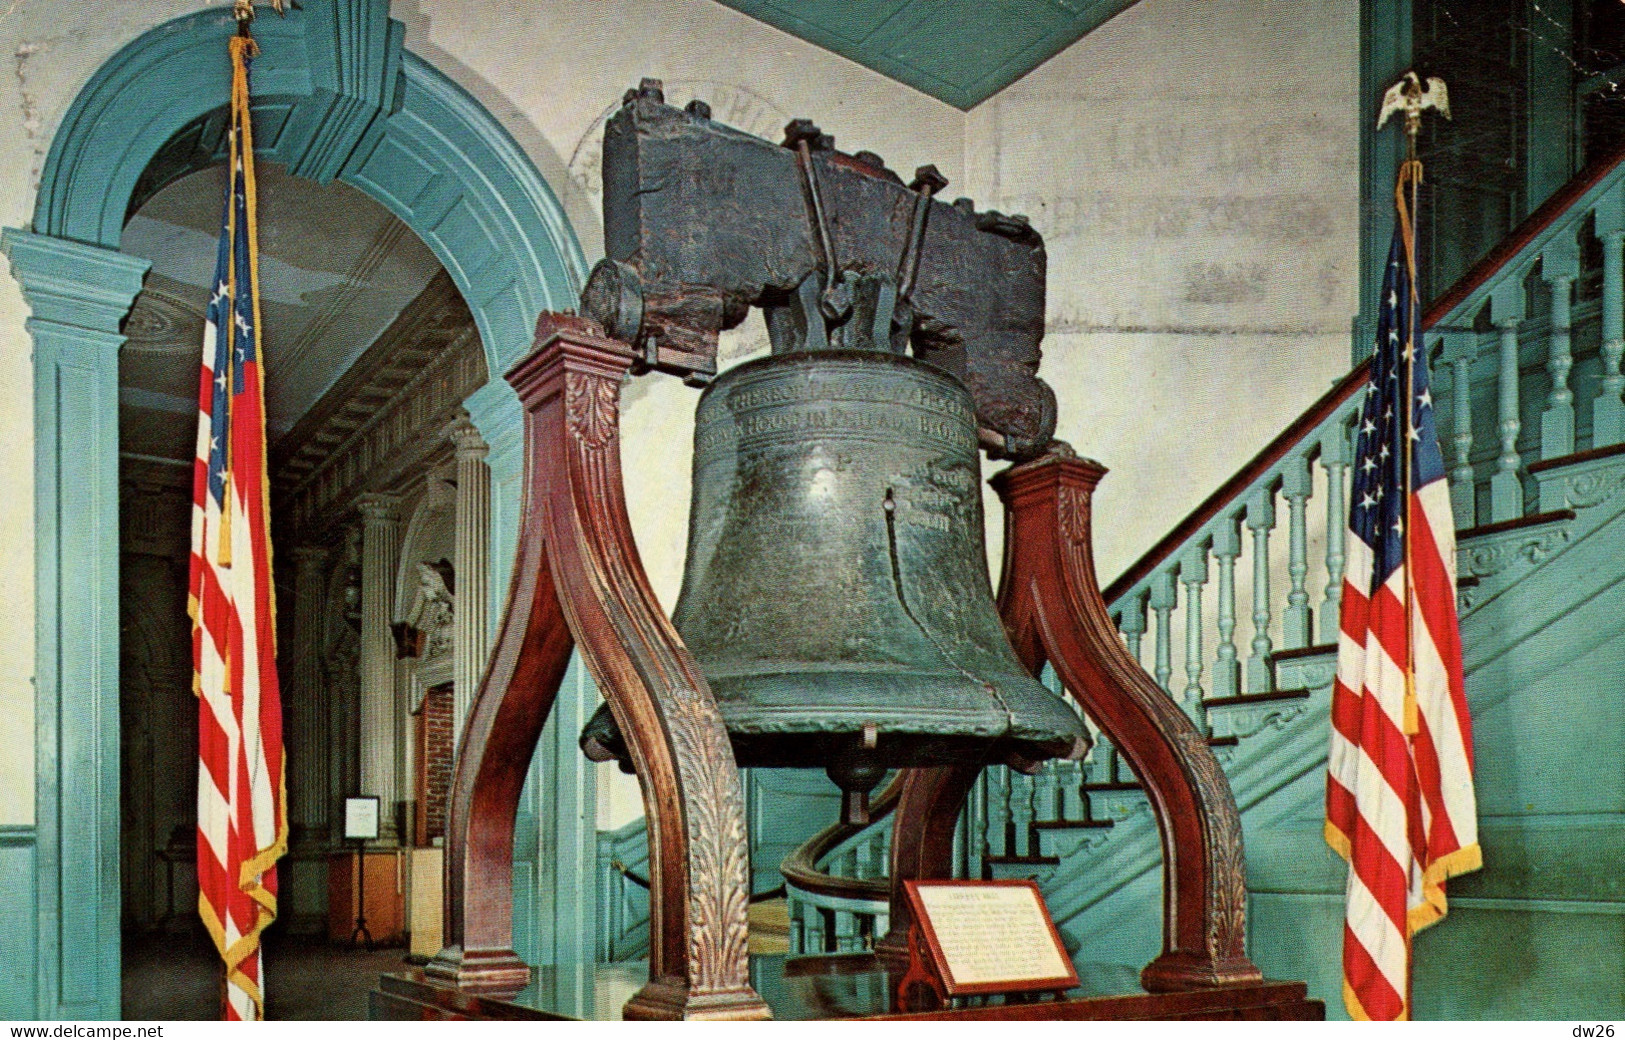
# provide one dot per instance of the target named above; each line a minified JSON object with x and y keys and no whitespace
{"x":669,"y":1001}
{"x":480,"y":971}
{"x":854,"y":986}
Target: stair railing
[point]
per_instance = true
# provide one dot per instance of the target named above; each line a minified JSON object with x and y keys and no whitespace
{"x":1507,"y":332}
{"x":836,"y":883}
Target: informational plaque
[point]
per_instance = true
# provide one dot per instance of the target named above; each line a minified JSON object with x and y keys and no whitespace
{"x":361,"y":818}
{"x":990,"y":937}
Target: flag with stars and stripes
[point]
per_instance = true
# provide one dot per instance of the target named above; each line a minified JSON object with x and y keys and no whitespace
{"x":1399,"y":790}
{"x":241,"y":811}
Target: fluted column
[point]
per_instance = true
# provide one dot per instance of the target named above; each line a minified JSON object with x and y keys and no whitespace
{"x":472,"y":552}
{"x":305,"y":702}
{"x":380,"y":552}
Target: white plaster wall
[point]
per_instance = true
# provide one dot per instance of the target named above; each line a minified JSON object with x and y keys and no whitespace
{"x":1194,"y":169}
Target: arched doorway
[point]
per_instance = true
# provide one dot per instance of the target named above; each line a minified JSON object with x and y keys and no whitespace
{"x":337,"y":96}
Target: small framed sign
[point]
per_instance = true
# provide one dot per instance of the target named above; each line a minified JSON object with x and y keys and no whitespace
{"x":361,"y":818}
{"x":986,"y":937}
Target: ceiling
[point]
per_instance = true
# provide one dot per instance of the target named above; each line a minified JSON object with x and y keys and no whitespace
{"x":958,"y":51}
{"x":335,"y":270}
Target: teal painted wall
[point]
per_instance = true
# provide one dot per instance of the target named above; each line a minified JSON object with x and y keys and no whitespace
{"x":18,"y":923}
{"x":784,"y":808}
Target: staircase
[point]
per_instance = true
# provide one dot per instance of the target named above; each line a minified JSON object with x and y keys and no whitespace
{"x":1237,"y":620}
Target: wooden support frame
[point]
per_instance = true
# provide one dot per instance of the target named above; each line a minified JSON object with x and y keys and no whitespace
{"x":579,"y":580}
{"x":1050,"y":600}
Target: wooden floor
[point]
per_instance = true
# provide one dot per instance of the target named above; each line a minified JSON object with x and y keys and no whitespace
{"x":177,"y":977}
{"x":770,"y":926}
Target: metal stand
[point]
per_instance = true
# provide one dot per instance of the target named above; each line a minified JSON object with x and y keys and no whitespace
{"x":361,"y":896}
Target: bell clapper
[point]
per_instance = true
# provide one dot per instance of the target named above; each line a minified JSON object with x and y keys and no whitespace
{"x":856,"y":769}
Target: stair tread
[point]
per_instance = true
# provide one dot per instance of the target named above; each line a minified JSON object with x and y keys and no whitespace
{"x":1531,"y":520}
{"x":1257,"y":698}
{"x":1061,"y":825}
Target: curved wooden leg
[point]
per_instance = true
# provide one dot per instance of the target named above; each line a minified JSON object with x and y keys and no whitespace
{"x":1052,"y":607}
{"x":922,"y":843}
{"x":692,"y":794}
{"x":512,"y":704}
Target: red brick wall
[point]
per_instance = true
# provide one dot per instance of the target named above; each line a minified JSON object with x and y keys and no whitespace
{"x":435,"y":750}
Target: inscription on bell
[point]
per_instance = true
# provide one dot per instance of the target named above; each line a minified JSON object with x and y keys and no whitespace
{"x":858,"y":388}
{"x":850,"y":422}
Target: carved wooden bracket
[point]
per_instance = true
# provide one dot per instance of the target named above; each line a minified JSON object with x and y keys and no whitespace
{"x":1052,"y":607}
{"x":1053,"y":611}
{"x":579,"y":574}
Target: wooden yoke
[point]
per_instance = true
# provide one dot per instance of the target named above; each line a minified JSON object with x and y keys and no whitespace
{"x":594,"y":587}
{"x":1052,"y":607}
{"x":1053,"y":611}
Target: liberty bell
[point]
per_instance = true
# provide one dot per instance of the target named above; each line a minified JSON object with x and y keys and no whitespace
{"x":836,"y":593}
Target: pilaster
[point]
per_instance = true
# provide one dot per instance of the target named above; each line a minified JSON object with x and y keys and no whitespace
{"x":494,"y":411}
{"x":305,"y":700}
{"x":380,"y":751}
{"x":78,"y":295}
{"x":472,"y":564}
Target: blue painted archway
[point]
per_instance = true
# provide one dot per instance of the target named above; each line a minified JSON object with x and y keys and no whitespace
{"x":337,"y":96}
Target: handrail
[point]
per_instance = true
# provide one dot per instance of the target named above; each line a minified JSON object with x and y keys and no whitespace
{"x":1525,"y":235}
{"x":800,"y":867}
{"x":1211,"y":506}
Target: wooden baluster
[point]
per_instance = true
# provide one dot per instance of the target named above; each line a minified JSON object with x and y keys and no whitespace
{"x":1226,"y":547}
{"x":1608,"y":411}
{"x":1193,"y":575}
{"x":1559,"y":266}
{"x":998,"y":810}
{"x":1162,"y":606}
{"x":1131,"y":622}
{"x":1021,"y":814}
{"x":1460,"y":347}
{"x":798,"y":939}
{"x":1098,"y":769}
{"x":1068,"y":775}
{"x":846,"y":931}
{"x":976,"y":828}
{"x":812,"y":918}
{"x":1047,"y":792}
{"x":1506,"y":486}
{"x":1261,"y":521}
{"x":1334,"y":459}
{"x":1296,"y":486}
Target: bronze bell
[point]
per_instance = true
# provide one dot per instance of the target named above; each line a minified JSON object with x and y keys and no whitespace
{"x":836,"y":593}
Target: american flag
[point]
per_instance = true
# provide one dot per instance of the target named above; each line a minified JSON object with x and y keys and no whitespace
{"x":1399,"y":792}
{"x":241,"y":803}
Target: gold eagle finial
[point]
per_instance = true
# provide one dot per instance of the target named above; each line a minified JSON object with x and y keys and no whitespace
{"x":243,"y":10}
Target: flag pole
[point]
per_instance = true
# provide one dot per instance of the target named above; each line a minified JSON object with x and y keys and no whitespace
{"x":1409,"y":95}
